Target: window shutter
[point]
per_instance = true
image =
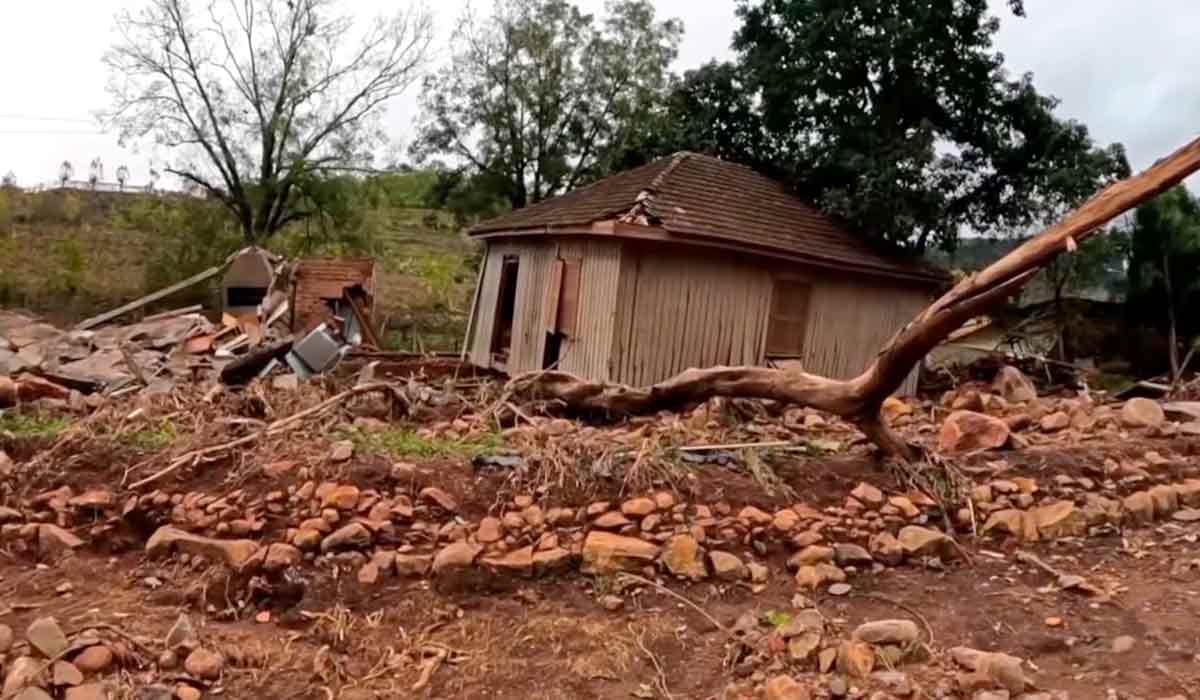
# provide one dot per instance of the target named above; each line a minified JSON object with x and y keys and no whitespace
{"x":568,"y":303}
{"x":789,"y":318}
{"x":553,"y":295}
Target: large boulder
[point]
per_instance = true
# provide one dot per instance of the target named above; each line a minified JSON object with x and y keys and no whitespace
{"x":1013,"y":385}
{"x":1142,"y":413}
{"x":967,"y":430}
{"x":233,"y":553}
{"x":606,"y":553}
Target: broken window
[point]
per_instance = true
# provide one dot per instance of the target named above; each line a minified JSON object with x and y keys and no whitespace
{"x":506,"y":304}
{"x":789,"y":318}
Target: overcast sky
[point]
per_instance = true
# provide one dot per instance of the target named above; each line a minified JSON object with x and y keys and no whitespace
{"x":1124,"y":67}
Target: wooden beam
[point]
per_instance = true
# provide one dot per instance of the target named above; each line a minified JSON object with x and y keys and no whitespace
{"x":149,"y":298}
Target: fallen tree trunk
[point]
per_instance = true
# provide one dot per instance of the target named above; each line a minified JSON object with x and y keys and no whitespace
{"x":859,"y":399}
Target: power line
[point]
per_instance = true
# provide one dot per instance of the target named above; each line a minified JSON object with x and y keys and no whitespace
{"x":40,"y":118}
{"x":49,"y":132}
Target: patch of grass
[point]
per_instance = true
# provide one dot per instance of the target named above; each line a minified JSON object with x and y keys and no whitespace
{"x":407,"y":443}
{"x":31,"y":425}
{"x":151,"y":438}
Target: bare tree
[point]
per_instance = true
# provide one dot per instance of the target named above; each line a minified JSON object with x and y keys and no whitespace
{"x":154,"y":175}
{"x":122,"y":176}
{"x":65,"y":172}
{"x":860,"y":399}
{"x":10,"y":180}
{"x":259,"y":97}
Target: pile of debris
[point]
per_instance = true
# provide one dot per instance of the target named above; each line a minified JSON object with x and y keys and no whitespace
{"x":303,"y":317}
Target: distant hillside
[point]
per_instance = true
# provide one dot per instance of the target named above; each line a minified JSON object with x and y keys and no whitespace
{"x":975,"y":253}
{"x":70,"y":254}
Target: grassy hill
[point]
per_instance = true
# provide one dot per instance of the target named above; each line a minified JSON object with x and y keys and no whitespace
{"x":71,"y":254}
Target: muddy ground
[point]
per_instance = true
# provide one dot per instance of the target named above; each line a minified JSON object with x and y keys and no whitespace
{"x":323,"y":633}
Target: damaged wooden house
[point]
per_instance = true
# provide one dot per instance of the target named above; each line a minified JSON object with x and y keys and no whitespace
{"x":688,"y":261}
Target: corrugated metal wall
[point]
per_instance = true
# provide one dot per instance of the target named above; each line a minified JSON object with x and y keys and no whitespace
{"x":649,"y":311}
{"x":587,"y":352}
{"x":850,"y":319}
{"x":678,"y":308}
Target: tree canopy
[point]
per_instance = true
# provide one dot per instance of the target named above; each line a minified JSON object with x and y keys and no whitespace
{"x":1164,"y":266}
{"x":259,"y":99}
{"x":895,"y":115}
{"x":539,"y":97}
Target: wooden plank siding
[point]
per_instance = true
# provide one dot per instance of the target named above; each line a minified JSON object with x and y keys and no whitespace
{"x":586,"y":351}
{"x":648,"y":311}
{"x":678,"y":308}
{"x":850,"y":318}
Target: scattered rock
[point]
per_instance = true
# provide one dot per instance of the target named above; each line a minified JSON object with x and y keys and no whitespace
{"x":968,"y":430}
{"x":341,"y":451}
{"x":204,"y":664}
{"x":1000,"y":669}
{"x":352,"y":536}
{"x":1123,"y":644}
{"x":886,"y":549}
{"x":6,"y":639}
{"x":856,"y":659}
{"x":1138,"y":507}
{"x":888,"y":632}
{"x":187,"y":692}
{"x":1060,"y":519}
{"x":344,"y":497}
{"x":33,"y":693}
{"x":490,"y":530}
{"x":681,"y":556}
{"x":233,"y":553}
{"x":868,"y":494}
{"x":840,"y":589}
{"x":413,"y":565}
{"x":726,"y":566}
{"x":369,"y":574}
{"x":612,"y":520}
{"x":65,"y":673}
{"x":638,"y":507}
{"x":281,"y":556}
{"x":21,"y":672}
{"x":438,"y":497}
{"x":455,"y":557}
{"x":94,"y":659}
{"x":1140,"y":412}
{"x":1054,"y":422}
{"x":1187,"y":515}
{"x":924,"y":542}
{"x":755,"y":516}
{"x":811,"y":555}
{"x":606,"y":553}
{"x":612,"y":603}
{"x":846,"y":554}
{"x":46,"y":636}
{"x":1013,"y":386}
{"x":89,"y":691}
{"x":785,"y":688}
{"x":815,"y":576}
{"x":54,"y":540}
{"x":182,"y":634}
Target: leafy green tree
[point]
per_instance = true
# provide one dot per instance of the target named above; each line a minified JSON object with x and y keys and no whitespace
{"x":258,"y":98}
{"x":1164,"y":268}
{"x":895,"y":115}
{"x":539,"y":97}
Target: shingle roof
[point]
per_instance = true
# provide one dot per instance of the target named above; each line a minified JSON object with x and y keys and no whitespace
{"x":695,"y":196}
